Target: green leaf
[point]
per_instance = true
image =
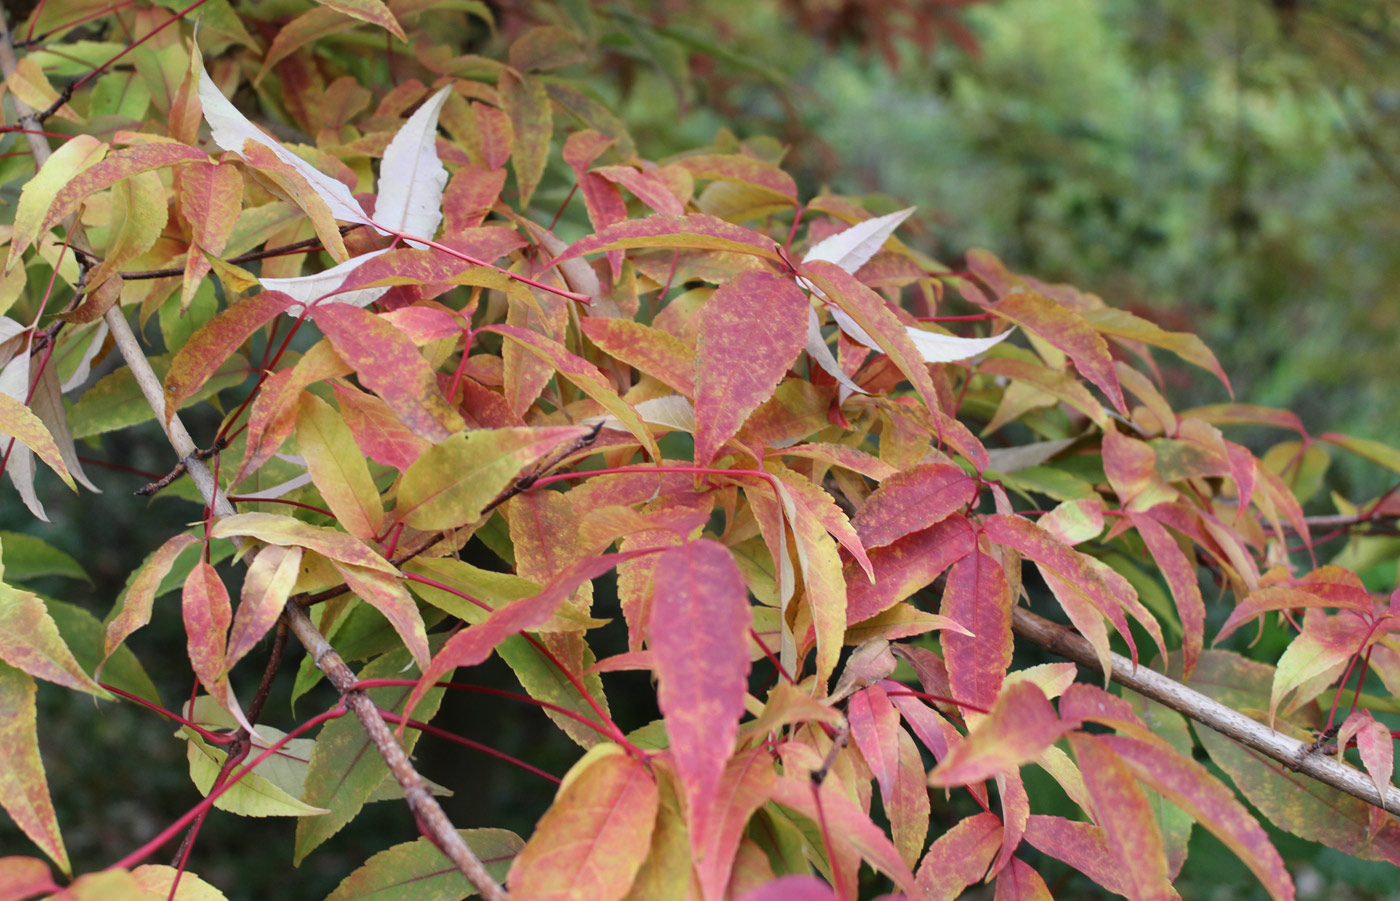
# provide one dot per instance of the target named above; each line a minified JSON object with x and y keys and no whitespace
{"x":418,"y":870}
{"x":27,"y":557}
{"x":345,"y":770}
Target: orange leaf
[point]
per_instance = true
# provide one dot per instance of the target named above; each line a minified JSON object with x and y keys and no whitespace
{"x":1067,"y":330}
{"x":590,"y":843}
{"x":388,"y":364}
{"x":751,"y":330}
{"x":1018,"y":728}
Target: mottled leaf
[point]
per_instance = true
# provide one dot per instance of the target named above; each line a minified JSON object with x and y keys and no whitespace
{"x":1020,"y":726}
{"x":591,"y":842}
{"x":906,"y":566}
{"x":289,"y":532}
{"x":959,"y":857}
{"x":201,"y":356}
{"x":693,"y":232}
{"x":525,"y":101}
{"x":1121,"y":810}
{"x":979,"y":598}
{"x":912,"y":500}
{"x":700,"y":618}
{"x":450,"y":483}
{"x":744,"y":787}
{"x":875,"y":732}
{"x":388,"y":363}
{"x":24,"y":790}
{"x":266,"y":587}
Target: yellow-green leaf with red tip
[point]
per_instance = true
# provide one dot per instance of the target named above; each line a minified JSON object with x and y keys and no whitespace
{"x":451,"y":482}
{"x":24,"y":790}
{"x":338,"y":468}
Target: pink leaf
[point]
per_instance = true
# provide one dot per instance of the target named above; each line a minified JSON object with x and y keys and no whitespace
{"x":911,"y":500}
{"x":1065,"y":329}
{"x":745,"y":787}
{"x":959,"y":857}
{"x":390,"y":365}
{"x":875,"y":732}
{"x":1017,"y":730}
{"x":1122,"y":810}
{"x":699,"y":620}
{"x":905,"y":566}
{"x":751,"y":331}
{"x":977,"y":597}
{"x":795,"y":887}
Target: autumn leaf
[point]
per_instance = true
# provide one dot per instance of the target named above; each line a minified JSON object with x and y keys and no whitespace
{"x":1121,"y":809}
{"x":591,"y":842}
{"x":978,"y":597}
{"x":1065,"y":329}
{"x":266,"y":587}
{"x":417,"y":866}
{"x":24,"y":790}
{"x":699,"y":620}
{"x":912,"y":500}
{"x":1016,"y":730}
{"x":390,"y":365}
{"x":338,"y":469}
{"x":745,"y":786}
{"x":450,"y":483}
{"x":201,"y":356}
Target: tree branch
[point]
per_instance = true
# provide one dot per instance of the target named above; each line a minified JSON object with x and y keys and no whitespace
{"x":429,"y":814}
{"x":1291,"y":753}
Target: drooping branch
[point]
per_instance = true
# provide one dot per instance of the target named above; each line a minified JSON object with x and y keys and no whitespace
{"x":1288,"y":751}
{"x":419,"y":798}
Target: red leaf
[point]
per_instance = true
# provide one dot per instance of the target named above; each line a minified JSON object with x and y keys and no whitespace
{"x":1075,"y":582}
{"x":211,"y":196}
{"x":24,"y":790}
{"x":1018,"y":728}
{"x":959,"y":857}
{"x":700,"y":618}
{"x":1248,"y":414}
{"x":1081,"y":845}
{"x":1190,"y":786}
{"x":648,"y":187}
{"x":594,"y":837}
{"x":470,"y":195}
{"x":977,"y":597}
{"x":388,"y":363}
{"x":1330,"y":586}
{"x":1180,"y":574}
{"x":1015,"y":810}
{"x":1121,"y":809}
{"x":695,"y":232}
{"x":213,"y":343}
{"x":1375,"y":744}
{"x":847,"y":825}
{"x":913,"y":500}
{"x":120,"y":165}
{"x":651,"y":350}
{"x":208,"y":614}
{"x":746,"y":786}
{"x":378,"y":433}
{"x":585,"y":376}
{"x":1065,"y":329}
{"x":475,"y":643}
{"x":875,"y":732}
{"x":905,"y":566}
{"x":751,"y":331}
{"x":1019,"y":882}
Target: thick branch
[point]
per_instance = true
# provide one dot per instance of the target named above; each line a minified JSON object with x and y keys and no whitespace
{"x":425,"y":807}
{"x":1290,"y":752}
